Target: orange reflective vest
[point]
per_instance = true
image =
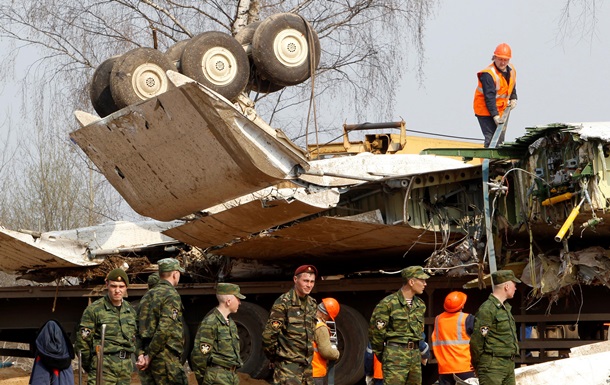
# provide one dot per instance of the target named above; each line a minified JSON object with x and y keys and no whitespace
{"x":377,"y":371}
{"x":318,"y":363}
{"x":451,"y":343}
{"x":503,"y":90}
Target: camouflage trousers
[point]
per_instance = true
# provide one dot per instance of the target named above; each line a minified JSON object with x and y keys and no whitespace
{"x":116,"y":371}
{"x":401,"y":366}
{"x":166,"y":369}
{"x":292,"y":373}
{"x":219,"y":375}
{"x":496,"y":370}
{"x":146,"y":377}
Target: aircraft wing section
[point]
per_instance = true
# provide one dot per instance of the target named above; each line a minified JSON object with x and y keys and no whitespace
{"x":367,"y":167}
{"x":21,"y":252}
{"x":85,"y":246}
{"x":186,"y":150}
{"x":240,"y":218}
{"x":336,"y":239}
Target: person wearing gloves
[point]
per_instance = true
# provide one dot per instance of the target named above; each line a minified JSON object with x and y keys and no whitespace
{"x":496,"y":91}
{"x":323,"y":349}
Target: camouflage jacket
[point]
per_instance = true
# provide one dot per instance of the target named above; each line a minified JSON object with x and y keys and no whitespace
{"x":121,"y":329}
{"x":494,"y":332}
{"x":289,"y":333}
{"x":216,"y":342}
{"x":393,"y":320}
{"x":160,"y":321}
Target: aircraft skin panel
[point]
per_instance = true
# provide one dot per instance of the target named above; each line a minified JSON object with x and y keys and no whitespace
{"x":241,"y":221}
{"x":21,"y":252}
{"x":183,"y":151}
{"x":348,"y":239}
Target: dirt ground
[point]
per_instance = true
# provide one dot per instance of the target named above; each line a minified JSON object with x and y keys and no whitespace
{"x":17,"y":376}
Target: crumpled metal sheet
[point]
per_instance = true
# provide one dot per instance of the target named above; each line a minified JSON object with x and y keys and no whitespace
{"x":549,"y":274}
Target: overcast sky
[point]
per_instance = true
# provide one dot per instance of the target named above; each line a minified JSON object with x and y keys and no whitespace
{"x":557,"y":80}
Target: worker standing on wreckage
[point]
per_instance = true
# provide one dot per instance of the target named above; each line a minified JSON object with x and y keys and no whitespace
{"x":396,"y":330}
{"x":496,"y":91}
{"x":493,"y":344}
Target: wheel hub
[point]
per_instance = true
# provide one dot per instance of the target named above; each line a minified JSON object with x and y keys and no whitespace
{"x":149,"y":80}
{"x":291,"y":48}
{"x":219,"y":66}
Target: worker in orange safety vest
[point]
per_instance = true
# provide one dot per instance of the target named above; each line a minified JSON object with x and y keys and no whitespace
{"x":372,"y":367}
{"x":451,"y":340}
{"x":324,"y":349}
{"x":496,"y":91}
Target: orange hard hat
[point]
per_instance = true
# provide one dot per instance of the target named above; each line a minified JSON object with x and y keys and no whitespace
{"x":503,"y":51}
{"x":454,"y":301}
{"x":330,"y":306}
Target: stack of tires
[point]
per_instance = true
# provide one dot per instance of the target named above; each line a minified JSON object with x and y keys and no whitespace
{"x":265,"y":56}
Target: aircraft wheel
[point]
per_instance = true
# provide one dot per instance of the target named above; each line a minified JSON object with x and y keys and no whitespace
{"x":138,"y":75}
{"x":99,"y":89}
{"x":281,"y":49}
{"x":217,"y":61}
{"x":256,"y":83}
{"x":174,"y":53}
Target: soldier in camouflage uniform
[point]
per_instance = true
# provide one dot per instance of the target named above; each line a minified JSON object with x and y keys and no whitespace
{"x":120,"y":337}
{"x":289,"y":333}
{"x":396,"y":330}
{"x":215,"y":356}
{"x":161,"y":330}
{"x":145,"y":376}
{"x":493,"y":343}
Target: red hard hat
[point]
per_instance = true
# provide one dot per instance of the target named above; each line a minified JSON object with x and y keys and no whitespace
{"x":503,"y":51}
{"x":332,"y":307}
{"x":455,"y":301}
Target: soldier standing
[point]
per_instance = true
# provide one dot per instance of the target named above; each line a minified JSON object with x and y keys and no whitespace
{"x":493,"y":344}
{"x":161,"y":328}
{"x":397,"y":328}
{"x":289,"y":333}
{"x":120,"y":335}
{"x":144,"y":374}
{"x":215,"y":356}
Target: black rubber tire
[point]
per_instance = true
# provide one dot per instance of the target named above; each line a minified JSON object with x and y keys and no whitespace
{"x":99,"y":89}
{"x":217,"y":61}
{"x":251,"y":320}
{"x":352,"y":331}
{"x":255,"y":83}
{"x":174,"y":53}
{"x":280,"y":49}
{"x":245,"y":35}
{"x":138,"y":75}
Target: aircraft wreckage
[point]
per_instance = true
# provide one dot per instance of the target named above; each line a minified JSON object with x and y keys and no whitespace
{"x":230,"y":193}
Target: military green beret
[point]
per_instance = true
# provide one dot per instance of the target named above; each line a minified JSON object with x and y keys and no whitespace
{"x":229,"y":288}
{"x":414,"y":272}
{"x":169,"y":264}
{"x":502,"y":276}
{"x":118,"y":275}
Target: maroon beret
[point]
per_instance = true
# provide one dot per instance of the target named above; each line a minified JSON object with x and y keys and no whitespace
{"x":306,"y":269}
